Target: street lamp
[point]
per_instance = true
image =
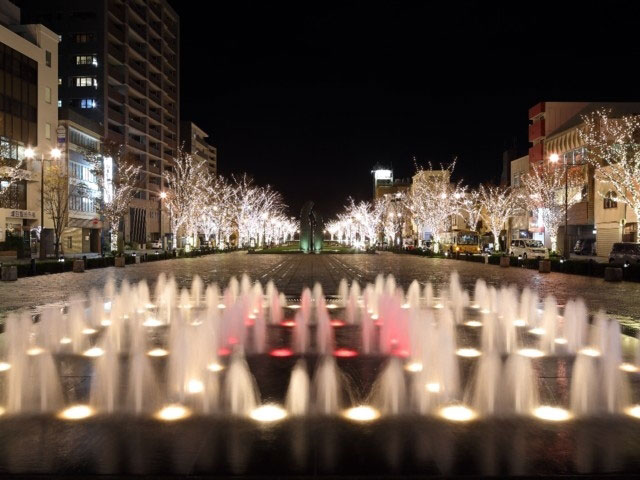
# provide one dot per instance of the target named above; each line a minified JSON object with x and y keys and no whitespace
{"x":163,"y":195}
{"x":55,"y":154}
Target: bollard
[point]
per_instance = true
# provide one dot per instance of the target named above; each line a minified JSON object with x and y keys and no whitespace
{"x":486,"y":259}
{"x":32,"y":270}
{"x":78,"y":266}
{"x":504,"y":262}
{"x":9,"y":274}
{"x":137,"y":259}
{"x":119,"y":262}
{"x":544,"y":266}
{"x":613,"y":274}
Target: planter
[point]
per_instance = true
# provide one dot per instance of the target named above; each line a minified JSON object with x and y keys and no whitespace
{"x":9,"y":274}
{"x":78,"y":266}
{"x":119,"y":262}
{"x":612,"y":274}
{"x":544,"y":266}
{"x":504,"y":262}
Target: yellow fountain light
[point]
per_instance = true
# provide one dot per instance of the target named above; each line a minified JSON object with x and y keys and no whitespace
{"x":76,"y":412}
{"x":93,"y":352}
{"x":33,"y":351}
{"x":438,"y":305}
{"x":590,"y":352}
{"x":362,"y":413}
{"x":468,"y":352}
{"x":473,"y":323}
{"x":89,"y":331}
{"x":475,"y":306}
{"x":413,"y":367}
{"x":106,"y":322}
{"x":173,"y":412}
{"x":531,"y":352}
{"x":65,"y":340}
{"x":2,"y":411}
{"x":158,"y":352}
{"x":215,"y":367}
{"x":633,"y":411}
{"x":519,"y":322}
{"x":195,"y":386}
{"x":628,"y":367}
{"x":268,"y":413}
{"x":537,"y":331}
{"x":457,"y":413}
{"x":552,"y":414}
{"x":151,"y":322}
{"x":4,"y":366}
{"x":433,"y":387}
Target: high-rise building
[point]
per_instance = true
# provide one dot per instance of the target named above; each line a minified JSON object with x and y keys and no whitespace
{"x":28,"y":118}
{"x":119,"y":66}
{"x":194,"y":140}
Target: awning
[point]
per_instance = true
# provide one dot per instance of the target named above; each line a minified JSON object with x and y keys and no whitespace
{"x":85,"y":223}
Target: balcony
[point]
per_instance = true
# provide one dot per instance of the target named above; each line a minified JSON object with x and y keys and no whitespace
{"x":138,"y":67}
{"x":115,"y":30}
{"x":536,"y":130}
{"x":137,"y":85}
{"x":116,"y":52}
{"x":155,"y":96}
{"x":135,"y":143}
{"x":116,"y":72}
{"x":154,"y":151}
{"x":116,"y":8}
{"x":156,"y":79}
{"x":116,"y":116}
{"x":138,"y":104}
{"x":115,"y":135}
{"x":155,"y":115}
{"x":139,"y":29}
{"x":156,"y":44}
{"x":155,"y":8}
{"x":137,"y":124}
{"x":155,"y":132}
{"x":536,"y":111}
{"x":139,"y":48}
{"x":115,"y":95}
{"x":139,"y":10}
{"x":170,"y":142}
{"x":536,"y":153}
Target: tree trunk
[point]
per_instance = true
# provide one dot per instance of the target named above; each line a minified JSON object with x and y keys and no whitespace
{"x":496,"y":240}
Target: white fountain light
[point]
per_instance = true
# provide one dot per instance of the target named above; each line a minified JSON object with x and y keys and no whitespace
{"x":221,"y":306}
{"x":552,"y":414}
{"x":76,"y":412}
{"x":89,"y":331}
{"x":468,"y":352}
{"x":628,"y":367}
{"x":149,"y":306}
{"x":93,"y":352}
{"x":106,"y":322}
{"x":473,"y":323}
{"x":633,"y":411}
{"x":215,"y":367}
{"x":374,"y":316}
{"x":413,"y":367}
{"x":531,"y":352}
{"x":158,"y":352}
{"x":4,"y":366}
{"x":485,"y":311}
{"x":519,"y":322}
{"x":433,"y":387}
{"x":406,"y":306}
{"x":195,"y":386}
{"x":107,"y":306}
{"x":362,"y":413}
{"x":457,"y":413}
{"x":332,"y":306}
{"x":475,"y":306}
{"x":151,"y":322}
{"x":537,"y":331}
{"x":268,"y":413}
{"x":173,"y":412}
{"x":33,"y":351}
{"x":438,"y":305}
{"x":65,"y":340}
{"x":590,"y":352}
{"x":561,"y":341}
{"x":252,"y":316}
{"x":293,"y":307}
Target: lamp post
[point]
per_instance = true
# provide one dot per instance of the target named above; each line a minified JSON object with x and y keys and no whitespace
{"x":55,"y":154}
{"x":555,"y":158}
{"x":163,"y":195}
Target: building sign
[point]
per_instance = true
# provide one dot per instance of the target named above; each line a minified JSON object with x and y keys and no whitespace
{"x":108,"y":179}
{"x":382,"y":174}
{"x":61,"y":134}
{"x":22,"y":214}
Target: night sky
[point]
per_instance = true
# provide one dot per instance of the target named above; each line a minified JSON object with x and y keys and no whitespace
{"x":307,"y":97}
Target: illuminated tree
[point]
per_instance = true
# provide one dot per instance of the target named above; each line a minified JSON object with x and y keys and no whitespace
{"x":613,"y":148}
{"x":55,"y":198}
{"x":471,"y":206}
{"x":499,"y":203}
{"x":11,"y":172}
{"x":393,"y":215}
{"x":544,"y":192}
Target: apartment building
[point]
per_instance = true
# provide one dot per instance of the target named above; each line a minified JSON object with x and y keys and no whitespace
{"x":119,"y":67}
{"x":194,"y":140}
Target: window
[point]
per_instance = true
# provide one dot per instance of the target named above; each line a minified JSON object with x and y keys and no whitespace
{"x":47,"y":131}
{"x":69,"y":242}
{"x":47,"y":94}
{"x":85,"y":82}
{"x":47,"y":56}
{"x":59,"y":103}
{"x":83,"y":37}
{"x":87,"y":60}
{"x":88,"y":103}
{"x":610,"y":200}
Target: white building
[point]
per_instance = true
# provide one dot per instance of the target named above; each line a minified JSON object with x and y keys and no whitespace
{"x":29,"y":65}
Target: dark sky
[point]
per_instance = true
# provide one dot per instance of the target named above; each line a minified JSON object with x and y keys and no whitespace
{"x":308,"y":96}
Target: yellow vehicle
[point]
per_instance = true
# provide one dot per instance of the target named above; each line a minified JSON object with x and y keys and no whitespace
{"x":461,"y":241}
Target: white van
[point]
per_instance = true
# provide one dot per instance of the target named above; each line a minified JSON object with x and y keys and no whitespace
{"x":528,"y":249}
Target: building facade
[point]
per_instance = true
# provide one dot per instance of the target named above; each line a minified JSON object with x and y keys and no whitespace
{"x":194,"y":140}
{"x":28,"y":118}
{"x":119,"y":67}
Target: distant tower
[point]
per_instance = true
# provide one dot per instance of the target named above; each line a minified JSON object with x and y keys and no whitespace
{"x":382,"y":176}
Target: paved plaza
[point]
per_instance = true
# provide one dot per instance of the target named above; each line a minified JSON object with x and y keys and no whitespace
{"x":292,"y":272}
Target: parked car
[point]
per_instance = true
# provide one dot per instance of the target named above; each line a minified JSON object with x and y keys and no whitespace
{"x":625,"y":252}
{"x":528,"y":249}
{"x":156,"y":245}
{"x":585,"y":246}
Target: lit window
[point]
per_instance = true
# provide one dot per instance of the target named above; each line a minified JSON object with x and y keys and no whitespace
{"x":47,"y":131}
{"x":83,"y":37}
{"x":88,"y":103}
{"x":87,"y":60}
{"x":60,"y":81}
{"x":610,"y":200}
{"x":59,"y":103}
{"x":85,"y":82}
{"x":47,"y":94}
